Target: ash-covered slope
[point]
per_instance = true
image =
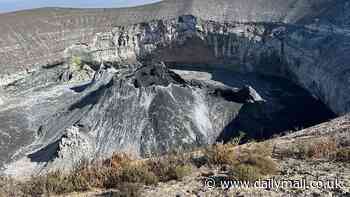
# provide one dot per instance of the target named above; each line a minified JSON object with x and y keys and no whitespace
{"x":52,"y":119}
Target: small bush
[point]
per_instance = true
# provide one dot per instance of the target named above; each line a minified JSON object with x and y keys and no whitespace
{"x":237,"y":140}
{"x":325,"y":148}
{"x":34,"y":187}
{"x":118,"y":160}
{"x":132,"y":174}
{"x":172,"y":167}
{"x":252,"y":167}
{"x":265,"y":164}
{"x":9,"y":187}
{"x":245,"y":172}
{"x":343,"y":155}
{"x":76,"y":63}
{"x":55,"y":182}
{"x":179,"y":172}
{"x":90,"y":174}
{"x":138,"y":174}
{"x":301,"y":151}
{"x":79,"y":182}
{"x":220,"y":154}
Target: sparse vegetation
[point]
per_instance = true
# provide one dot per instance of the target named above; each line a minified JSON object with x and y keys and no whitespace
{"x":237,"y":140}
{"x":220,"y":154}
{"x":252,"y":166}
{"x":321,"y":148}
{"x":118,"y":172}
{"x":343,"y":155}
{"x":223,"y":154}
{"x":171,"y":167}
{"x":254,"y":162}
{"x":245,"y":172}
{"x":76,"y":63}
{"x":248,"y":163}
{"x":122,"y":171}
{"x":324,"y":148}
{"x":182,"y":171}
{"x":9,"y":187}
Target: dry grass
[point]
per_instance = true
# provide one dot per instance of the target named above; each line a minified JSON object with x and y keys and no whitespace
{"x":171,"y":167}
{"x":250,"y":162}
{"x":119,"y":172}
{"x":323,"y":148}
{"x":122,"y":171}
{"x":220,"y":154}
{"x":326,"y":148}
{"x":252,"y":167}
{"x":254,"y":162}
{"x":9,"y":188}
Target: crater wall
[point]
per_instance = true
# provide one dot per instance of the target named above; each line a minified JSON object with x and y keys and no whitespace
{"x":311,"y":37}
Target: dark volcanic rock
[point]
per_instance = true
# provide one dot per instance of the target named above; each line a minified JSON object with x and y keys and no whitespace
{"x":156,"y":74}
{"x":248,"y":95}
{"x":244,"y":95}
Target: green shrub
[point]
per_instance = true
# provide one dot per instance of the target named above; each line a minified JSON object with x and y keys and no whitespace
{"x":138,"y":174}
{"x":76,"y":63}
{"x":172,"y":167}
{"x":245,"y":172}
{"x":252,"y":167}
{"x":180,"y":172}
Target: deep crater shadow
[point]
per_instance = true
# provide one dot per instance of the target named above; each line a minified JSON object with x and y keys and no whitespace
{"x":288,"y":107}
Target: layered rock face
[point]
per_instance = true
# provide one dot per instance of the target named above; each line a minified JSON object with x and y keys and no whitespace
{"x":299,"y":53}
{"x":310,"y":38}
{"x":87,"y":83}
